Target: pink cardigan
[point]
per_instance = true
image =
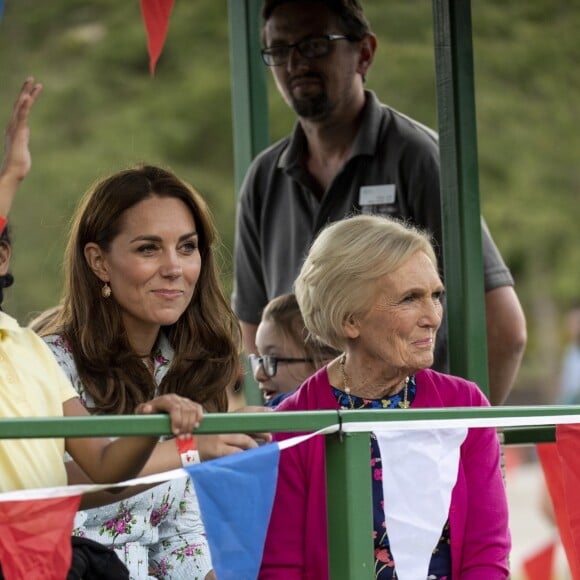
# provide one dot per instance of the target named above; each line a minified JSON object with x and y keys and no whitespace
{"x":297,"y":542}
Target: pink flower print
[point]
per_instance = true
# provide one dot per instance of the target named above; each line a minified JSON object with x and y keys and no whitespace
{"x":158,"y":515}
{"x":119,"y":525}
{"x":187,"y":551}
{"x":378,"y":474}
{"x":373,"y":461}
{"x":383,"y":555}
{"x":61,"y":342}
{"x":160,"y":569}
{"x":192,"y":550}
{"x":159,"y":359}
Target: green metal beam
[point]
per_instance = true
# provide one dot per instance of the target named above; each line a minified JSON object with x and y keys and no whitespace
{"x":460,"y":190}
{"x":528,"y":435}
{"x":249,"y":111}
{"x":350,"y":521}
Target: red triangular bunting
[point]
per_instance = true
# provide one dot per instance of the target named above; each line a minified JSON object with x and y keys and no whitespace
{"x":540,"y":565}
{"x":35,"y":537}
{"x":568,"y":444}
{"x":156,"y":16}
{"x":550,"y":460}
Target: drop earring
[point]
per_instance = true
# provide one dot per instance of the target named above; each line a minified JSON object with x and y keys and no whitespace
{"x":106,"y":290}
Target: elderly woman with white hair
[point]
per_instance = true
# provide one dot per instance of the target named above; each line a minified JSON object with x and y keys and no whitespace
{"x":370,"y":287}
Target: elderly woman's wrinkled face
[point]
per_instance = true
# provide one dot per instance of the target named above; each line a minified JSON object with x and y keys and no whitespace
{"x":399,"y":330}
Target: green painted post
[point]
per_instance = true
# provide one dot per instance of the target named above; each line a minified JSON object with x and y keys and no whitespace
{"x":350,"y":523}
{"x":249,"y":110}
{"x":249,"y":94}
{"x":460,"y":190}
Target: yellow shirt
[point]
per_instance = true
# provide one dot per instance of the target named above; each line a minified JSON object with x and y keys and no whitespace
{"x":32,"y":385}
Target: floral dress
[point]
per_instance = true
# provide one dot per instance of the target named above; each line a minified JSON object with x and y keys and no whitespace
{"x":158,"y":533}
{"x":440,"y":565}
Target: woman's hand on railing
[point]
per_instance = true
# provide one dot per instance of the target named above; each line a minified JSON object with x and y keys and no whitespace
{"x":185,"y":414}
{"x":214,"y":446}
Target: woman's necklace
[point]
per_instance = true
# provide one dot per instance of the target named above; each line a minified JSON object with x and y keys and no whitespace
{"x":404,"y":404}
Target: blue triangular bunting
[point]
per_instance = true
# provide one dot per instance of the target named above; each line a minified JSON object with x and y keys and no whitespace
{"x":235,"y":495}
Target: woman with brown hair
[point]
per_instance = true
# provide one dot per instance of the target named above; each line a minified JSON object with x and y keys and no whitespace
{"x":143,"y":313}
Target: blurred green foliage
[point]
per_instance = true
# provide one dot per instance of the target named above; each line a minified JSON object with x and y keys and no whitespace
{"x":101,"y":111}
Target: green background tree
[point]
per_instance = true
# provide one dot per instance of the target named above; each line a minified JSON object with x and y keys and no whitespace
{"x":101,"y":111}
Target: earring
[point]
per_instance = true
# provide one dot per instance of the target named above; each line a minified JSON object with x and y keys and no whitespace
{"x":106,"y":290}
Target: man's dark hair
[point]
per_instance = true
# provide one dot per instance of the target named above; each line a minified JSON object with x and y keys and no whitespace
{"x":6,"y":280}
{"x":349,"y":12}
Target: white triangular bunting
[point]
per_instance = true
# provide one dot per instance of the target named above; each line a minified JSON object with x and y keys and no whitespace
{"x":419,"y":473}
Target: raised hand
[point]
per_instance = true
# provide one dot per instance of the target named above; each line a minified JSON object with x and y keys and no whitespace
{"x":17,"y":162}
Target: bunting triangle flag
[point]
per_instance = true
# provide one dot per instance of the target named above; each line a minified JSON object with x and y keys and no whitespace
{"x":568,"y":445}
{"x":540,"y":565}
{"x":35,"y":537}
{"x":412,"y":455}
{"x":235,"y":495}
{"x":551,"y":466}
{"x":156,"y":15}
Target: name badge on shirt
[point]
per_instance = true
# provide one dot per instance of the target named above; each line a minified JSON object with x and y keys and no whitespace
{"x":377,"y":199}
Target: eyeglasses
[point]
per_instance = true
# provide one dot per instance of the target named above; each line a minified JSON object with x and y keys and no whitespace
{"x":269,"y":363}
{"x":308,"y":48}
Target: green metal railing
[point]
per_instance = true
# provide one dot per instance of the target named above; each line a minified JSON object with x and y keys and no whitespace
{"x":278,"y":422}
{"x":347,"y":456}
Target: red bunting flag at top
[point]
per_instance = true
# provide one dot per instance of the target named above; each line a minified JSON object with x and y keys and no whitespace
{"x":156,"y":16}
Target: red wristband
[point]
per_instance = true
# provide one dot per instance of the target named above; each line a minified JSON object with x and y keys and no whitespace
{"x":187,"y":450}
{"x":186,"y":444}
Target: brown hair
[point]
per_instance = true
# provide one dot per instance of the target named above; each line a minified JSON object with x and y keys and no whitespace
{"x":349,"y":12}
{"x":206,"y":338}
{"x":285,"y":313}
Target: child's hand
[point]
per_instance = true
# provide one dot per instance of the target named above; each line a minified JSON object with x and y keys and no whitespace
{"x":184,"y":413}
{"x":16,"y":163}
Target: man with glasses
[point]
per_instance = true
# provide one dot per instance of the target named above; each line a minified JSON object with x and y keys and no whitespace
{"x":347,"y":154}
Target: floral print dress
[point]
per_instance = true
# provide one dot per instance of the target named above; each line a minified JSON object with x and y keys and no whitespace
{"x":158,"y":533}
{"x":440,"y":565}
